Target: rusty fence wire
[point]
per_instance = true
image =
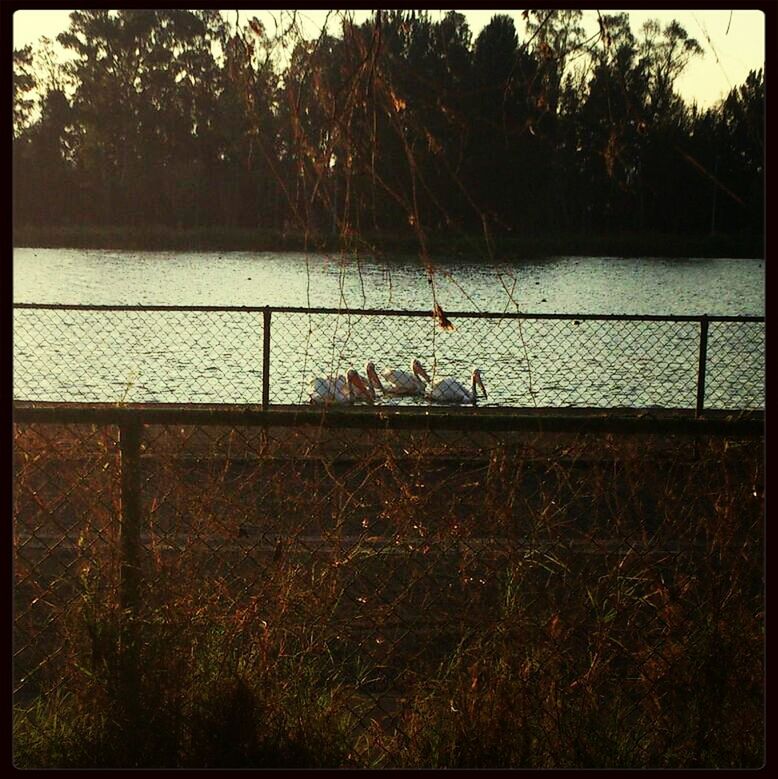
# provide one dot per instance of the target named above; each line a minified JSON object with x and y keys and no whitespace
{"x":269,"y":356}
{"x":527,"y":596}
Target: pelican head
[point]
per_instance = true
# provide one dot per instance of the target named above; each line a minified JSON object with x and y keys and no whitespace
{"x":418,"y":370}
{"x":478,"y":382}
{"x":372,"y":376}
{"x":354,"y":380}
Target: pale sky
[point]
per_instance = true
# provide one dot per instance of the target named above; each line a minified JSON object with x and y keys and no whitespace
{"x":733,"y":41}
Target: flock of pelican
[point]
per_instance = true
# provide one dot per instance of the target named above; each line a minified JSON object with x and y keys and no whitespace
{"x":353,"y":388}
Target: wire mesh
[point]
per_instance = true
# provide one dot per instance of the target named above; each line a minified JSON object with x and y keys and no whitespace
{"x":138,"y":355}
{"x":736,"y":365}
{"x":66,"y":503}
{"x":384,"y":556}
{"x":198,"y":355}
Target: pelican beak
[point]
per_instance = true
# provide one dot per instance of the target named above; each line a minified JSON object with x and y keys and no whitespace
{"x":477,"y":382}
{"x":374,"y":380}
{"x":360,"y":385}
{"x":481,"y":385}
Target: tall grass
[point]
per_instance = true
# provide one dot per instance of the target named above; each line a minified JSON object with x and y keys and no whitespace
{"x":331,"y":599}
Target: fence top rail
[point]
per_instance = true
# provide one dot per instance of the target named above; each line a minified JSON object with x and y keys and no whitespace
{"x":540,"y":420}
{"x":393,"y":312}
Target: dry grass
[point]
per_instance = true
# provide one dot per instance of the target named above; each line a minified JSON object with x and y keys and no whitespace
{"x":313,"y":599}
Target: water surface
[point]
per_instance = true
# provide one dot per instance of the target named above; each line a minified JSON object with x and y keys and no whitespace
{"x":217,"y":357}
{"x":563,"y":285}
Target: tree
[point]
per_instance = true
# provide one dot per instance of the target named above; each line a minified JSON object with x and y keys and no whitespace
{"x":504,"y":163}
{"x":613,"y":119}
{"x":24,"y":84}
{"x":142,"y":98}
{"x":400,"y":123}
{"x":741,"y":148}
{"x":667,"y":52}
{"x":556,"y":34}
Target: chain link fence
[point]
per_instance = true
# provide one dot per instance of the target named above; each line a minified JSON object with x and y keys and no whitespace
{"x":406,"y":589}
{"x":270,"y":355}
{"x":261,"y":582}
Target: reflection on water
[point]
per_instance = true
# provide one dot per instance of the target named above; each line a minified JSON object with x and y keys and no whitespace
{"x":217,"y":356}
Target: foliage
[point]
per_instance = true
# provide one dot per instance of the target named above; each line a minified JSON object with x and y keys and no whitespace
{"x":400,"y":125}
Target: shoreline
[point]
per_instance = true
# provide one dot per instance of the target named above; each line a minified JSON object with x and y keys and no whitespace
{"x":441,"y":246}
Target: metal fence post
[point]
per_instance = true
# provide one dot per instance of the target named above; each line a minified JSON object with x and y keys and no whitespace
{"x":702,"y":364}
{"x":129,"y":575}
{"x":266,"y":359}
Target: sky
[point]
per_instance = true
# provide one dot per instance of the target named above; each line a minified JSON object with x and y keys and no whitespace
{"x":733,"y":41}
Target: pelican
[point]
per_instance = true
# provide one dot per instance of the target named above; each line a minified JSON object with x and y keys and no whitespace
{"x":451,"y":391}
{"x":404,"y":383}
{"x":373,"y":381}
{"x":371,"y":384}
{"x":339,"y":390}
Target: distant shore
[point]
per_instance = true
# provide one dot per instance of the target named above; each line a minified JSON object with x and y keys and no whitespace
{"x":441,"y":247}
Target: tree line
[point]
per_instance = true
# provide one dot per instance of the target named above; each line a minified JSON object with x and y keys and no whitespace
{"x":398,"y":125}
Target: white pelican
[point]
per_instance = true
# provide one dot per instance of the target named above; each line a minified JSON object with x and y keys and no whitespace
{"x":372,"y":378}
{"x":404,"y":383}
{"x":371,"y":384}
{"x":340,"y":389}
{"x":451,"y":391}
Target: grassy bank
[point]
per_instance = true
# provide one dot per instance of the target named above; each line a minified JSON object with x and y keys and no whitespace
{"x":586,"y":602}
{"x":442,"y":246}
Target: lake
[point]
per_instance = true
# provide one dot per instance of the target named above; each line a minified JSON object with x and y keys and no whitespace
{"x":574,"y":285}
{"x":217,"y":356}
